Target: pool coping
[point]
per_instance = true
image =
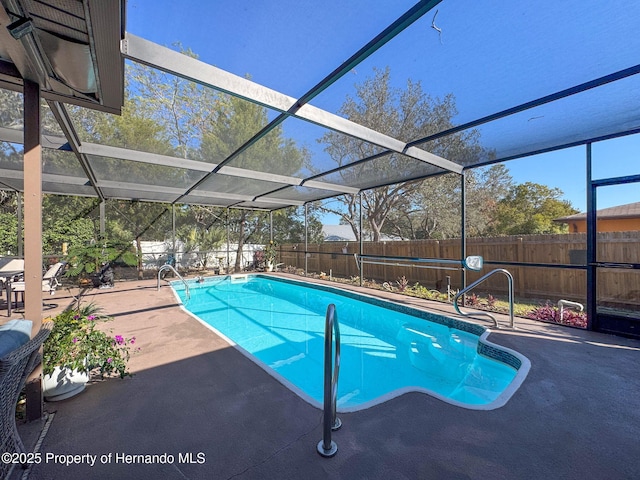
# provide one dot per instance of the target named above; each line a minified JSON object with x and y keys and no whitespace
{"x":503,"y":354}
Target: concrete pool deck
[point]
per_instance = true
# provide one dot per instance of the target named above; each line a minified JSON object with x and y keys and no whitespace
{"x":220,"y":416}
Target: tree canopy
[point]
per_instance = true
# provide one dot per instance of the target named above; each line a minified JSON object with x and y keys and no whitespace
{"x":406,"y":209}
{"x":530,"y":208}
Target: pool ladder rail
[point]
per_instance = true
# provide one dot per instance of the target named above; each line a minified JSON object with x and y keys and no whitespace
{"x":486,"y":314}
{"x":327,"y":447}
{"x":170,"y":267}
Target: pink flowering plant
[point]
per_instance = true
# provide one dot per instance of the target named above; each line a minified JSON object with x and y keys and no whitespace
{"x":77,"y":343}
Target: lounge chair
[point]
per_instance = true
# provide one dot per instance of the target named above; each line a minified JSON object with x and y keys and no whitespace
{"x":50,"y":281}
{"x":15,"y":366}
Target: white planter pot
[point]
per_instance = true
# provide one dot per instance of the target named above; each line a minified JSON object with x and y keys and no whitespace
{"x":63,"y":383}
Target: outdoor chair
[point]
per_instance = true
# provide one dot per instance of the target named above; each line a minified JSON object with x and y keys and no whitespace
{"x":50,"y":281}
{"x":19,"y":356}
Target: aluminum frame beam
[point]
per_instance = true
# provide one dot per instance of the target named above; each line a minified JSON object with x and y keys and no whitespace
{"x":71,"y":143}
{"x":62,"y":117}
{"x":12,"y":135}
{"x":46,"y":177}
{"x":598,"y":82}
{"x":156,"y":56}
{"x":178,"y":162}
{"x":135,"y":187}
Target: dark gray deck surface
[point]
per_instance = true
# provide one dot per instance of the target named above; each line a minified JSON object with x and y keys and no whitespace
{"x":577,"y":415}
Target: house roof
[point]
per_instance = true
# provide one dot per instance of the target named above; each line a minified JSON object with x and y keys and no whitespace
{"x":630,"y":210}
{"x":344,"y":233}
{"x":338,"y":233}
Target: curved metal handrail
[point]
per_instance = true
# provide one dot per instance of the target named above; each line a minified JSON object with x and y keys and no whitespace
{"x":485,"y":314}
{"x":568,"y":303}
{"x":166,"y":266}
{"x":327,"y":447}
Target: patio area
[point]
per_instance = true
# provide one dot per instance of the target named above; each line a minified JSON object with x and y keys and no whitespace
{"x":576,"y":415}
{"x":96,"y":105}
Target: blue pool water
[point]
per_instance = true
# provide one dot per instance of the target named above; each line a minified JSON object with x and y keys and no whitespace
{"x":387,"y":349}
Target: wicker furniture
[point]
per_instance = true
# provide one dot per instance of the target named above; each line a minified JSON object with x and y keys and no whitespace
{"x":15,"y":367}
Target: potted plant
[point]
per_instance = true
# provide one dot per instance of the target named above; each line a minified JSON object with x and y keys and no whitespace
{"x":76,"y":349}
{"x":270,"y":252}
{"x":85,"y":261}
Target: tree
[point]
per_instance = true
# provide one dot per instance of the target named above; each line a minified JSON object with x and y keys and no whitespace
{"x":235,"y":124}
{"x":138,"y":221}
{"x":136,"y":129}
{"x":8,"y":224}
{"x":8,"y":234}
{"x":70,"y":220}
{"x":485,"y":187}
{"x":182,"y":109}
{"x":288,"y":225}
{"x":406,"y":114}
{"x":200,"y":241}
{"x":434,"y":209}
{"x":529,"y":209}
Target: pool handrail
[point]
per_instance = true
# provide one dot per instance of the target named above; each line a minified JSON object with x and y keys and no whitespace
{"x":326,"y":446}
{"x":166,"y":266}
{"x":568,"y":303}
{"x":472,"y":262}
{"x":486,"y":314}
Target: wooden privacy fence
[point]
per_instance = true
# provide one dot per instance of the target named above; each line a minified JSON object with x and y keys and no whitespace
{"x":615,"y":287}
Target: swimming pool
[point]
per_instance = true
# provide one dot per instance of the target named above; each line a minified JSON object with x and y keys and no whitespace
{"x":387,"y":349}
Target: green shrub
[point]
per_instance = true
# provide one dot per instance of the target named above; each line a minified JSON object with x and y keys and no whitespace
{"x":76,"y":343}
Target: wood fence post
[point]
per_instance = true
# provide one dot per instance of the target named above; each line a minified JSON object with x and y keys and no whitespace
{"x":520,"y":277}
{"x":384,"y":267}
{"x":347,"y":270}
{"x":435,"y":272}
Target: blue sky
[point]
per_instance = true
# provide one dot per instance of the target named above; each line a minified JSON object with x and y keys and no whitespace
{"x":290,"y":45}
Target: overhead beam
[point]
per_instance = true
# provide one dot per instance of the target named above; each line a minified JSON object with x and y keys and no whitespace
{"x":46,"y":177}
{"x":347,"y":127}
{"x":598,"y":82}
{"x":83,"y":149}
{"x":141,"y":189}
{"x":330,"y":186}
{"x":178,"y":162}
{"x":144,"y":157}
{"x":170,"y":61}
{"x":62,"y":117}
{"x":175,"y":63}
{"x":13,"y":135}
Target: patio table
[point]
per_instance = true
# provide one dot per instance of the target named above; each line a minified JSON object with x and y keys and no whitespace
{"x":9,"y":269}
